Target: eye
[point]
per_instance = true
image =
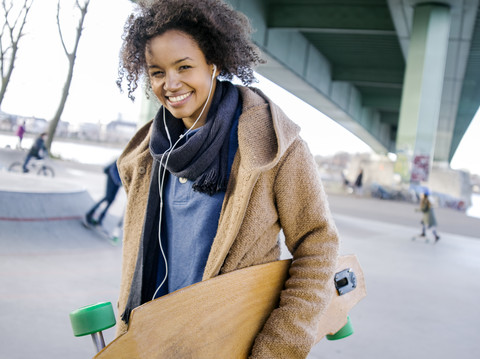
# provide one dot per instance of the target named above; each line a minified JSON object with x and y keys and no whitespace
{"x":184,"y":67}
{"x":157,"y":74}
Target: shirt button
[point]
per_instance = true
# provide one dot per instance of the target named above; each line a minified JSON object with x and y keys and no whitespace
{"x":141,"y":170}
{"x":183,"y":180}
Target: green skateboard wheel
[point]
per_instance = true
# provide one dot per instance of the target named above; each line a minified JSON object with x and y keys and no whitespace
{"x":346,"y":331}
{"x":92,"y":319}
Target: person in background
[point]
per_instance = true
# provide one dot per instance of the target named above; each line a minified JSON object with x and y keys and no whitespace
{"x":429,"y":220}
{"x":38,"y":150}
{"x":358,"y":185}
{"x":20,"y":132}
{"x":218,"y":172}
{"x":113,"y":184}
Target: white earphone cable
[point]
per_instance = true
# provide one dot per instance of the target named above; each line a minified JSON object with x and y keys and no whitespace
{"x":161,"y":176}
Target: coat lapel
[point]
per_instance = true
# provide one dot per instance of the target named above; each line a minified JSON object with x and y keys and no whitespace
{"x":240,"y":186}
{"x":263,"y":137}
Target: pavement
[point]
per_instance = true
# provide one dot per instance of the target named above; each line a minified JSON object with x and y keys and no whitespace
{"x":422,"y":298}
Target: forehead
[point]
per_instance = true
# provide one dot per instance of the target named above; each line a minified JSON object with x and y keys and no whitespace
{"x":171,"y":46}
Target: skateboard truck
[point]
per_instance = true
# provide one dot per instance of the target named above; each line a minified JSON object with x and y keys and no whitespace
{"x":345,"y":281}
{"x":92,"y":319}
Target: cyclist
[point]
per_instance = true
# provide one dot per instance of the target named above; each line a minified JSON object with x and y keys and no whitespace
{"x":38,"y":150}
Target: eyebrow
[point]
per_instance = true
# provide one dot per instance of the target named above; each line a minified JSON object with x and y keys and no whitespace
{"x":174,"y":63}
{"x":181,"y":60}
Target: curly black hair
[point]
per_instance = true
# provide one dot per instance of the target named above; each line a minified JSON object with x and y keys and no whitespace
{"x":222,"y":33}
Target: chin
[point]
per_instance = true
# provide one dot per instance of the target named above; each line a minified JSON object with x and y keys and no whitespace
{"x":180,"y":114}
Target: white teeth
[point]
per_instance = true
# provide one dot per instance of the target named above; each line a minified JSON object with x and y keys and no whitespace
{"x":179,"y":98}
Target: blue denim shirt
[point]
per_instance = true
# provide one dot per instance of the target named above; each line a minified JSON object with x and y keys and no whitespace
{"x":189,"y":225}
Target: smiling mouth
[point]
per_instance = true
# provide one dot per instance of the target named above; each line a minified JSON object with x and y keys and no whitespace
{"x":178,"y":99}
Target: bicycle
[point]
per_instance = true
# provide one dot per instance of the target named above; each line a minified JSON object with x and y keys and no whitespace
{"x":37,"y":166}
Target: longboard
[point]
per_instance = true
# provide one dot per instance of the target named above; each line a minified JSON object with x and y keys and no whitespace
{"x":220,"y":317}
{"x":113,"y":237}
{"x":421,"y":239}
{"x":425,"y":239}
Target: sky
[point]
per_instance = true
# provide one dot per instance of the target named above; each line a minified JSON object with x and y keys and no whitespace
{"x":41,"y":69}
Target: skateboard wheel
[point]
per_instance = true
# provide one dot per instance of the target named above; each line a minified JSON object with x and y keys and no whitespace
{"x":346,"y":331}
{"x":92,"y":319}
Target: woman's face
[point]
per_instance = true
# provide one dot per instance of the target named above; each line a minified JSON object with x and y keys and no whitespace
{"x":180,"y":75}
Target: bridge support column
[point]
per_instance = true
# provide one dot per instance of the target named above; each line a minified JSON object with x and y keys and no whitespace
{"x":422,"y":92}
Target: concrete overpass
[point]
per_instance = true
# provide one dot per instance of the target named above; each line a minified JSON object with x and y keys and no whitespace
{"x":402,"y":75}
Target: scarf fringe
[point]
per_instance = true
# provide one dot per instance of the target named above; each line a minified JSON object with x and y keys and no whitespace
{"x":210,"y":183}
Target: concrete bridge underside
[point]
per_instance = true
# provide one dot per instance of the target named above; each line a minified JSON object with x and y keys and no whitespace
{"x":350,"y":60}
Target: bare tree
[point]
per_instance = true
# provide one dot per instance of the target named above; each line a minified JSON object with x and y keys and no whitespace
{"x":15,"y":17}
{"x":71,"y":56}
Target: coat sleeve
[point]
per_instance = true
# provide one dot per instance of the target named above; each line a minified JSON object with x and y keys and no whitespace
{"x":312,"y":238}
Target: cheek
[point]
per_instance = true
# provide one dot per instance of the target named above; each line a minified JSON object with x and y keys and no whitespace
{"x":156,"y":84}
{"x":204,"y":85}
{"x":157,"y":88}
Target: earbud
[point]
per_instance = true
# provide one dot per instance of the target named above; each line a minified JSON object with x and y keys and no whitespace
{"x":214,"y":70}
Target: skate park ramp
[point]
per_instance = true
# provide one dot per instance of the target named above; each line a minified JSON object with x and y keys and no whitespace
{"x":49,"y":210}
{"x":50,"y":264}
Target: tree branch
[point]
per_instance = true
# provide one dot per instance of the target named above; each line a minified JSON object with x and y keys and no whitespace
{"x":83,"y":12}
{"x":71,"y":59}
{"x":8,"y":51}
{"x":60,"y":30}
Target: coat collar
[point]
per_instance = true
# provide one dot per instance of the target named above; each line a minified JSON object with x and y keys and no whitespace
{"x":264,"y":131}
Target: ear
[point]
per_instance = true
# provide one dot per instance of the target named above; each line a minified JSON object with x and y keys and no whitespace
{"x":215,"y":70}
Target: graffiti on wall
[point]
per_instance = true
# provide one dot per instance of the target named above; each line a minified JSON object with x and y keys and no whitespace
{"x":420,"y":168}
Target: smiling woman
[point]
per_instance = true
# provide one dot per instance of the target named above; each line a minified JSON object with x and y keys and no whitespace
{"x":218,"y":173}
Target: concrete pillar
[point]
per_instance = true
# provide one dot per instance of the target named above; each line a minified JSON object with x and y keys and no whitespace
{"x":422,"y":92}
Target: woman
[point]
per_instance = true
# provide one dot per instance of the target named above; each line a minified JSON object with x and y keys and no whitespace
{"x":218,"y":173}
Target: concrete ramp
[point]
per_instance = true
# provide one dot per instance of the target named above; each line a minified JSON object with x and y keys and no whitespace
{"x":50,"y":264}
{"x":26,"y":198}
{"x":44,"y":215}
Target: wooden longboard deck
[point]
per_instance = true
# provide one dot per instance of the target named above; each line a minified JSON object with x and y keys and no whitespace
{"x":221,"y":317}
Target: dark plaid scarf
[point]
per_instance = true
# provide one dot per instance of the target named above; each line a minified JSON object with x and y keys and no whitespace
{"x":202,"y":159}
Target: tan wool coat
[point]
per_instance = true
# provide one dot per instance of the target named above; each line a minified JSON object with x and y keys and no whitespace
{"x":273,"y":185}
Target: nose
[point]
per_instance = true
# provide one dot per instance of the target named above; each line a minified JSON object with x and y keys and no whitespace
{"x":172,"y":81}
